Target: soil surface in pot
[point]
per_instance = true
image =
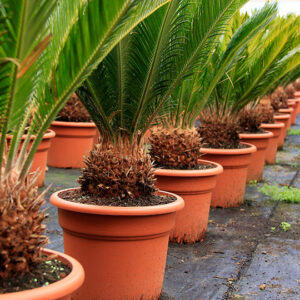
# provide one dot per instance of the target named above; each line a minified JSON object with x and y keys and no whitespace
{"x":78,"y":197}
{"x":199,"y":167}
{"x":254,"y":132}
{"x":228,"y":147}
{"x":43,"y":274}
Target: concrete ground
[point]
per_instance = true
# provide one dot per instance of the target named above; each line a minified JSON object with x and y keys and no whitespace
{"x":241,"y":256}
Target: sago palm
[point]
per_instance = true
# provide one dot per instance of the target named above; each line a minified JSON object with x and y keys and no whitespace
{"x":126,"y":92}
{"x":273,"y":53}
{"x":47,"y":49}
{"x":190,"y":98}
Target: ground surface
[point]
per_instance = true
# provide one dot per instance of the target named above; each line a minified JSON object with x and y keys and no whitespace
{"x":241,"y":257}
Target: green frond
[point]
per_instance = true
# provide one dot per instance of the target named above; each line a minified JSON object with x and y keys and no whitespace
{"x":100,"y":26}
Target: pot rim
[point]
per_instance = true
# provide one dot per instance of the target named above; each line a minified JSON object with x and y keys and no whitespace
{"x":218,"y":169}
{"x":58,"y":289}
{"x":265,"y":135}
{"x":294,"y":99}
{"x":118,"y":210}
{"x":272,"y":125}
{"x":282,"y":116}
{"x":48,"y":135}
{"x":286,"y":110}
{"x":73,"y":124}
{"x":291,"y":101}
{"x":240,"y":151}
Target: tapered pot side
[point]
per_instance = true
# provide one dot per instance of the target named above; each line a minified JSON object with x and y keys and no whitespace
{"x":288,"y":111}
{"x":297,"y":101}
{"x":271,"y":151}
{"x":72,"y":142}
{"x":292,"y":104}
{"x":260,"y":141}
{"x":297,"y":94}
{"x":122,"y":249}
{"x":195,"y":187}
{"x":230,"y":186}
{"x":59,"y":290}
{"x":39,"y":163}
{"x":282,"y":118}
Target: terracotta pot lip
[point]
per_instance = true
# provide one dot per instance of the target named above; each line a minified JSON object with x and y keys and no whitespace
{"x":55,"y":290}
{"x":272,"y":125}
{"x":250,"y":149}
{"x":218,"y":169}
{"x":286,"y":110}
{"x":297,"y":94}
{"x":265,"y":135}
{"x":282,"y":116}
{"x":118,"y":211}
{"x":48,"y":135}
{"x":73,"y":124}
{"x":291,"y":101}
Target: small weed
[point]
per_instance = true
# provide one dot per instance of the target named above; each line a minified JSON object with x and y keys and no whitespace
{"x":273,"y":229}
{"x":285,"y":226}
{"x":253,"y":182}
{"x":283,"y":194}
{"x":294,"y":132}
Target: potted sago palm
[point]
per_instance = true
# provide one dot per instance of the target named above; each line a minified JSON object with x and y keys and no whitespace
{"x":292,"y":102}
{"x":250,"y":120}
{"x":279,"y":102}
{"x":34,"y":88}
{"x":296,"y":85}
{"x":247,"y":81}
{"x":74,"y":136}
{"x":219,"y":123}
{"x":27,"y":269}
{"x":268,"y":123}
{"x":108,"y":217}
{"x":175,"y":144}
{"x":282,"y":57}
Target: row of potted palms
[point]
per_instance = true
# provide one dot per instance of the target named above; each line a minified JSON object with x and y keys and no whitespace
{"x":144,"y":66}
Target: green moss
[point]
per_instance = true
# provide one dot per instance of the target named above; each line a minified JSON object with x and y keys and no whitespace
{"x":285,"y":226}
{"x":294,"y":132}
{"x":283,"y":194}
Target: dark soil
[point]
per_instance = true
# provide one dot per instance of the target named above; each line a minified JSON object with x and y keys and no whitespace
{"x":78,"y":197}
{"x":229,"y":147}
{"x":199,"y":167}
{"x":255,"y":132}
{"x":42,"y":275}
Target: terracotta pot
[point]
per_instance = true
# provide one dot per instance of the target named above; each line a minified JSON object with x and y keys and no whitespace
{"x":60,"y":290}
{"x":230,"y":188}
{"x":281,"y":118}
{"x":297,"y":94}
{"x":271,"y":151}
{"x":293,"y":105}
{"x":195,"y":187}
{"x":260,"y":141}
{"x":122,"y":249}
{"x":285,"y":111}
{"x":297,"y":101}
{"x":72,"y":142}
{"x":39,"y":162}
